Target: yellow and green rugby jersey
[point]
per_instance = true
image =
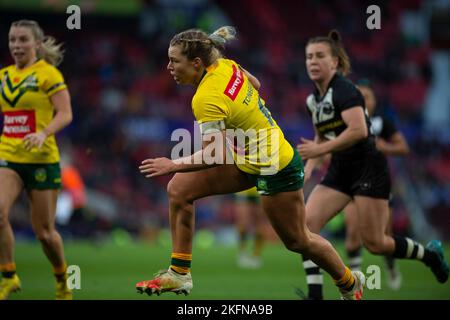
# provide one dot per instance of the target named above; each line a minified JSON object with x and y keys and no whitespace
{"x":225,"y":99}
{"x":26,"y":106}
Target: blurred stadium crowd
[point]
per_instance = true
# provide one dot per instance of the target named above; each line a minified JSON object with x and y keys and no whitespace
{"x":126,"y":105}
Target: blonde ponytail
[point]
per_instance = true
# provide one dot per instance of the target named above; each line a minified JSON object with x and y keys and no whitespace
{"x":51,"y":51}
{"x":197,"y":43}
{"x":222,"y":35}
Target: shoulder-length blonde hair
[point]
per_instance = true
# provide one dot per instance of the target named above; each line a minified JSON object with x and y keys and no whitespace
{"x":48,"y":50}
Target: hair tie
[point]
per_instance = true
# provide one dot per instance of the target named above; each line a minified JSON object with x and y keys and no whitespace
{"x":217,"y":40}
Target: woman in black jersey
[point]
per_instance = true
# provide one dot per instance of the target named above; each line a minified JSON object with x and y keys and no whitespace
{"x":358,"y":171}
{"x":390,"y":141}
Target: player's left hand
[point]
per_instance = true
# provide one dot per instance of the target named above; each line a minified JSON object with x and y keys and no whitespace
{"x":34,"y":140}
{"x":381,"y":144}
{"x":309,"y":149}
{"x":157,"y":167}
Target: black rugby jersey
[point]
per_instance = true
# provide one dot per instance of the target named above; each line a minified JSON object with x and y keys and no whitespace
{"x":326,"y":113}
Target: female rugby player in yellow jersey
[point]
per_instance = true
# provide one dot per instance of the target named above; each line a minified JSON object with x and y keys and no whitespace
{"x":227,"y":98}
{"x":35,"y":103}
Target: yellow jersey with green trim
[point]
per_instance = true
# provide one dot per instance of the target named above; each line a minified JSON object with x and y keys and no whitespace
{"x":26,"y":107}
{"x":226,"y":100}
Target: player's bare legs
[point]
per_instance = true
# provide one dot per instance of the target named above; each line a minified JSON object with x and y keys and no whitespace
{"x":43,"y":211}
{"x":323,"y":204}
{"x":183,"y":190}
{"x":10,"y":188}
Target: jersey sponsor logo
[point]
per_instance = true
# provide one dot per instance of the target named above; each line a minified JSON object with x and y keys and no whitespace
{"x":235,"y":84}
{"x":330,"y":126}
{"x":17,"y":124}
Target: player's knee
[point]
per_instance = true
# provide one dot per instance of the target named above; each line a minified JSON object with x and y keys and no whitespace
{"x":179,"y":194}
{"x":299,"y":245}
{"x":374,"y":246}
{"x":352,"y":232}
{"x":352,"y":242}
{"x":174,"y":192}
{"x":44,"y":236}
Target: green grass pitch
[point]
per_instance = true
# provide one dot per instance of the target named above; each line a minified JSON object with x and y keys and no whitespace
{"x":110,"y":271}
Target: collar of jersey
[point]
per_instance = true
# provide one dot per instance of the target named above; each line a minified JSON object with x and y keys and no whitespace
{"x":317,"y":93}
{"x":209,"y":69}
{"x":212,"y":67}
{"x":40,"y":61}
